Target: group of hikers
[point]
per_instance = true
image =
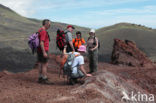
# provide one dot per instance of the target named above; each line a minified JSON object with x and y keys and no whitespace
{"x":76,"y":47}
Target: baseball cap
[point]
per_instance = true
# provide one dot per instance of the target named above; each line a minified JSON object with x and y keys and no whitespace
{"x":70,"y":26}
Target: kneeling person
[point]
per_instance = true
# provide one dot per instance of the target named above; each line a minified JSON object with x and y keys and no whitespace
{"x":78,"y":70}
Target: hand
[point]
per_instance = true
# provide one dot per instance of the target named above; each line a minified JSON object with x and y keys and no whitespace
{"x":65,"y":46}
{"x":45,"y":55}
{"x":73,"y":50}
{"x":88,"y":75}
{"x":92,"y":49}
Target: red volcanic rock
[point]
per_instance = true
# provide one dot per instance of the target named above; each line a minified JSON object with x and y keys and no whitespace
{"x":127,"y":53}
{"x":106,"y":86}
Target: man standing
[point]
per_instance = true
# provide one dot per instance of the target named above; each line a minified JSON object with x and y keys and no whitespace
{"x":69,"y":39}
{"x":42,"y":52}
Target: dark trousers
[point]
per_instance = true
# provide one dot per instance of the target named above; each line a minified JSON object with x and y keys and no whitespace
{"x":93,"y":60}
{"x":69,"y":49}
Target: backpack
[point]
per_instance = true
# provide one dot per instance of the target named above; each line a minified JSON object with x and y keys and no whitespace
{"x":67,"y":69}
{"x":33,"y":42}
{"x":95,"y":42}
{"x":98,"y":43}
{"x":60,"y":39}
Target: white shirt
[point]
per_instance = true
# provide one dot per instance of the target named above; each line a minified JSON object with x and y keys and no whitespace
{"x":79,"y":60}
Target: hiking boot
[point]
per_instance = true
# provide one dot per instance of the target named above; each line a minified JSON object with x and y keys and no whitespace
{"x":75,"y":80}
{"x":72,"y":81}
{"x":90,"y":72}
{"x":46,"y":81}
{"x":40,"y":80}
{"x":81,"y":82}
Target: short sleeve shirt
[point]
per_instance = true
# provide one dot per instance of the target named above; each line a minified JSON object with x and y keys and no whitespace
{"x":43,"y":36}
{"x":79,"y":60}
{"x":68,"y":36}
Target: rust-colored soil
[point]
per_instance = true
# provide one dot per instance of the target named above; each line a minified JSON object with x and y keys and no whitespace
{"x":111,"y":79}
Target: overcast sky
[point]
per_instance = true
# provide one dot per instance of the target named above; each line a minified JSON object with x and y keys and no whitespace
{"x":88,"y":13}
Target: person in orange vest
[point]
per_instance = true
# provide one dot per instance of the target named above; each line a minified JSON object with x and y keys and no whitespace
{"x":78,"y":41}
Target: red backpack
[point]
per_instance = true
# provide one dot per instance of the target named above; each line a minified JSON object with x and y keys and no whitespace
{"x":60,"y":39}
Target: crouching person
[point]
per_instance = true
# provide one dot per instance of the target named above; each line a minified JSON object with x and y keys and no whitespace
{"x":74,"y":66}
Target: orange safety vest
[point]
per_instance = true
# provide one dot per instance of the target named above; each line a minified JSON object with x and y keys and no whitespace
{"x":78,"y":42}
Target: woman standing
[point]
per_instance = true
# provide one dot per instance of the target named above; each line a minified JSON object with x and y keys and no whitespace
{"x":92,"y":45}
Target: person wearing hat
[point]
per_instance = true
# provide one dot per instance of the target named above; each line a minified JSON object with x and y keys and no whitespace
{"x":69,"y":39}
{"x":78,"y":70}
{"x":78,"y":41}
{"x":92,"y":45}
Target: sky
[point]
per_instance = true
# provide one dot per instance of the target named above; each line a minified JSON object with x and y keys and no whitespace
{"x":88,"y":13}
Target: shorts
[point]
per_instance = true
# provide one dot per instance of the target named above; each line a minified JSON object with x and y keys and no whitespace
{"x":41,"y":58}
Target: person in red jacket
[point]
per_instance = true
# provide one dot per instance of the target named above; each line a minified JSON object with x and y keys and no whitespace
{"x":42,"y":52}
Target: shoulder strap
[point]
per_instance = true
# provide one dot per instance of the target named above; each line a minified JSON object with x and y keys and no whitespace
{"x":46,"y":32}
{"x":39,"y":31}
{"x":81,"y":39}
{"x":66,"y":31}
{"x":48,"y":35}
{"x":75,"y":40}
{"x":95,"y":39}
{"x":89,"y":37}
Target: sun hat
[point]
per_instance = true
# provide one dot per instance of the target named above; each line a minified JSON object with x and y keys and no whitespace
{"x":82,"y":48}
{"x":92,"y":31}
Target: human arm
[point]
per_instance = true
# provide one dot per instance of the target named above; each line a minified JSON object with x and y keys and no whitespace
{"x":71,"y":45}
{"x":64,"y":50}
{"x":81,"y":64}
{"x":83,"y":41}
{"x":43,"y":50}
{"x":70,"y":40}
{"x":84,"y":71}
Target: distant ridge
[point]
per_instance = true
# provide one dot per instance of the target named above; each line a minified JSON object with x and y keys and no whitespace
{"x":142,"y":35}
{"x":4,"y":7}
{"x":14,"y":31}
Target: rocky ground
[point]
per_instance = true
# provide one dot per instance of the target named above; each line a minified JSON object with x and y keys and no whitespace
{"x":106,"y":86}
{"x":110,"y":84}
